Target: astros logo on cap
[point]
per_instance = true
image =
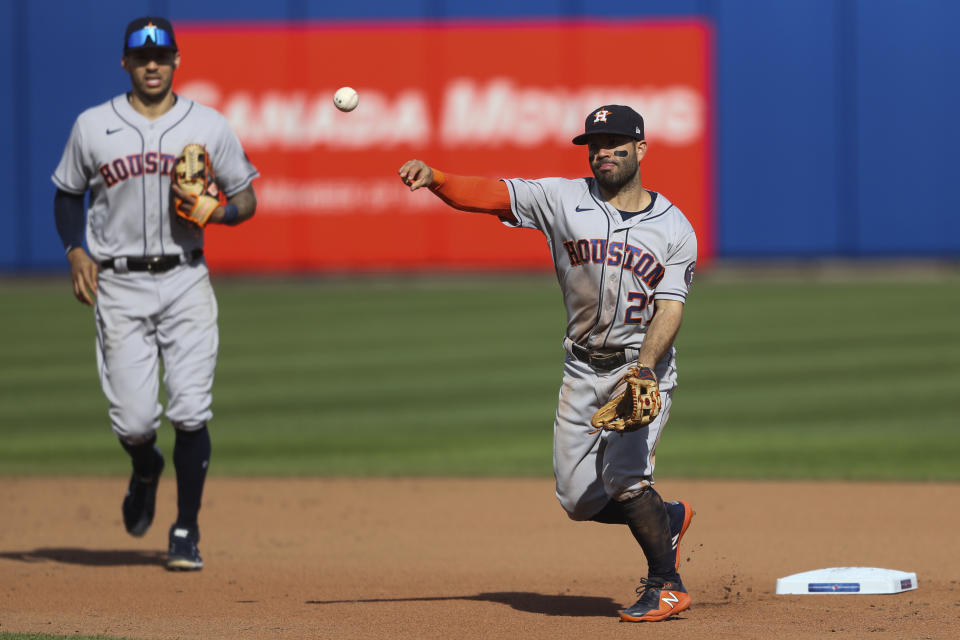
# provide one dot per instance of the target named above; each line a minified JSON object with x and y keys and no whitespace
{"x":601,"y":116}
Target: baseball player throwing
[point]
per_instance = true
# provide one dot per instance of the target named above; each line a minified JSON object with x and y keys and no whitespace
{"x":625,"y":258}
{"x":144,"y":273}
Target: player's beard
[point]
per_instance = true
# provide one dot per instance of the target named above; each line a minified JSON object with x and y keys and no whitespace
{"x":613,"y":181}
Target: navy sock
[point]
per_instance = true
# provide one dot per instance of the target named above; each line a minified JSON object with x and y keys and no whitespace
{"x":649,"y":524}
{"x":191,"y":456}
{"x":143,"y":456}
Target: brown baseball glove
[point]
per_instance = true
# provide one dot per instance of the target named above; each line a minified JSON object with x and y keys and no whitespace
{"x":635,"y":407}
{"x":193,"y":173}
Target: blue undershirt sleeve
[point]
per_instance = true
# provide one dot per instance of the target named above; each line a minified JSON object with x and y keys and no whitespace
{"x":68,"y":213}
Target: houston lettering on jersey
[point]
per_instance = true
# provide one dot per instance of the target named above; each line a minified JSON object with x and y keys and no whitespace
{"x":630,"y":258}
{"x":136,"y":165}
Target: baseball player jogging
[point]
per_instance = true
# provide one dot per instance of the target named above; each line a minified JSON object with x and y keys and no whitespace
{"x":158,"y":167}
{"x":625,"y":258}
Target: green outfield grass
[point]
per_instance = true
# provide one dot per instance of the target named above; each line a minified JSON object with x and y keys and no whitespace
{"x":459,"y":375}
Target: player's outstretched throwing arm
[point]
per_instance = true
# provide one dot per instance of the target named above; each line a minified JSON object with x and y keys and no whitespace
{"x":467,"y":193}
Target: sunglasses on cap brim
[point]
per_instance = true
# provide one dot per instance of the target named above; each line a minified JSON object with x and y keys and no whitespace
{"x":158,"y":36}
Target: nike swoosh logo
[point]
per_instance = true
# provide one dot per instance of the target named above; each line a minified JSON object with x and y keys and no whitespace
{"x":113,"y":131}
{"x":584,"y":209}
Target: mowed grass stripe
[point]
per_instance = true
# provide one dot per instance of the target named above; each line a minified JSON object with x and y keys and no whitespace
{"x":823,"y":450}
{"x":454,"y":376}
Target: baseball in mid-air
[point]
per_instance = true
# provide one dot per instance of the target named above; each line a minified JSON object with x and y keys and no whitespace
{"x":346,"y":99}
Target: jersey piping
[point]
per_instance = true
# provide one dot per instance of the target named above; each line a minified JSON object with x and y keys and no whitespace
{"x":658,"y":215}
{"x":160,"y":149}
{"x":616,"y":309}
{"x":603,"y":275}
{"x":143,"y":186}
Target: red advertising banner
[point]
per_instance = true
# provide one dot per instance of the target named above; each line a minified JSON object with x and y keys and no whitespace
{"x":492,"y":99}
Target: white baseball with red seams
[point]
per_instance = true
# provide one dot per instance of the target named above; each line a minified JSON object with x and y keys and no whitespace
{"x":346,"y":99}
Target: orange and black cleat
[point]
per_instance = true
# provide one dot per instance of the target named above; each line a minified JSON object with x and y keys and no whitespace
{"x":659,"y":599}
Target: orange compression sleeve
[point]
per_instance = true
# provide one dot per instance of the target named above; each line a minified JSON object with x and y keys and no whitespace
{"x":470,"y":193}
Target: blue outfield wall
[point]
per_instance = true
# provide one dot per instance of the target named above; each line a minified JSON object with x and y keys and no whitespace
{"x":836,"y":120}
{"x":11,"y":215}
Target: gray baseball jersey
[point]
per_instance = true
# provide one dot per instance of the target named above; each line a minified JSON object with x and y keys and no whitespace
{"x":610,"y":269}
{"x":125,"y":160}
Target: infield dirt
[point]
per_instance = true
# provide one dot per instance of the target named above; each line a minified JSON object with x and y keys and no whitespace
{"x":467,"y":558}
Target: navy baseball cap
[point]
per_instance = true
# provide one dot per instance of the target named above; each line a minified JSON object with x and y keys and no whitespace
{"x":613,"y":119}
{"x":149,"y":32}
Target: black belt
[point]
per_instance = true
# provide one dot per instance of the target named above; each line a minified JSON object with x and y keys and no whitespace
{"x":153,"y":264}
{"x":603,"y":360}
